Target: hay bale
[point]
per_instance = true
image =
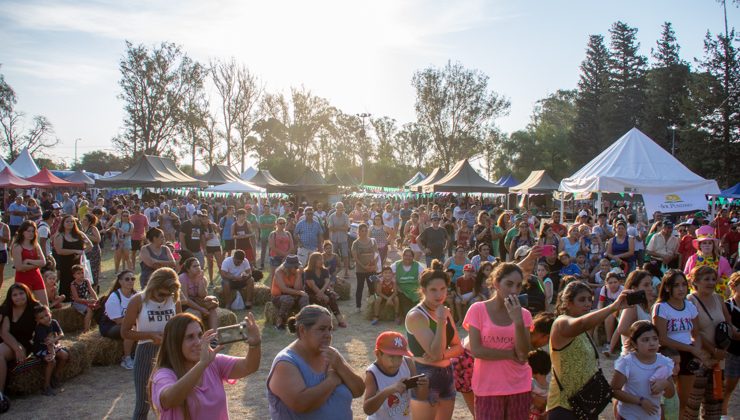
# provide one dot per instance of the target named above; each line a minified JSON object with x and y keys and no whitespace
{"x":343,"y":289}
{"x":217,"y":292}
{"x":226,"y":317}
{"x":261,"y":294}
{"x":386,"y":311}
{"x":103,"y":351}
{"x":31,"y":381}
{"x":69,"y":319}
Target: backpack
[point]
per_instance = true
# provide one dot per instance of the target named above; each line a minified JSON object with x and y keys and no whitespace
{"x":99,"y":314}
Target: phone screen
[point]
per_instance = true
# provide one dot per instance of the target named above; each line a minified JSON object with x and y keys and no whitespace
{"x":548,"y":250}
{"x":231,"y":334}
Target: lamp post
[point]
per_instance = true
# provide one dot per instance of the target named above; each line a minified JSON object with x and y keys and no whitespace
{"x":364,"y":136}
{"x":673,"y":128}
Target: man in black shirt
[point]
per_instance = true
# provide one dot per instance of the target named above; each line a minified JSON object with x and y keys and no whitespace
{"x":191,"y":235}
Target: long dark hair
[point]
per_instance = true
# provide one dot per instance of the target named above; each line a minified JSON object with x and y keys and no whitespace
{"x":567,"y":295}
{"x":117,"y":284}
{"x":666,"y":285}
{"x":75,"y":230}
{"x":7,"y":306}
{"x":480,"y":277}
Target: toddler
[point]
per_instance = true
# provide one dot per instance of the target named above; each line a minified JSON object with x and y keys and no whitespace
{"x":569,"y":268}
{"x":84,"y":298}
{"x":386,"y":293}
{"x":464,"y":291}
{"x":540,"y":363}
{"x":47,"y":348}
{"x":50,"y":281}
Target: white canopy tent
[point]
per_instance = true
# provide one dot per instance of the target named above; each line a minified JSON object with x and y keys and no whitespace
{"x":236,"y":187}
{"x":24,"y":166}
{"x":635,"y":164}
{"x":4,"y":164}
{"x":249,"y":173}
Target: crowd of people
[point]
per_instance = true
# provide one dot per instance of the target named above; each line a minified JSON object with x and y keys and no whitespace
{"x":514,"y":309}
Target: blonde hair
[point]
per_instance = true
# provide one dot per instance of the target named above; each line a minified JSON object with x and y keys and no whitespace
{"x":163,"y":278}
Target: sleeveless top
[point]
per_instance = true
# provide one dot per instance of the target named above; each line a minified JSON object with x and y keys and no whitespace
{"x":153,"y":316}
{"x":707,"y":322}
{"x":289,"y":281}
{"x":147,"y":271}
{"x":396,"y":406}
{"x":282,"y":242}
{"x":416,"y":349}
{"x":457,"y":267}
{"x":408,"y":281}
{"x":82,"y":291}
{"x":621,"y":248}
{"x":413,"y":233}
{"x":572,"y":249}
{"x":337,"y":406}
{"x":574,"y":364}
{"x":30,"y":276}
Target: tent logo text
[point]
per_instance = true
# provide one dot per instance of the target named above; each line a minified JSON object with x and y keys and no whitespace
{"x":673,"y":198}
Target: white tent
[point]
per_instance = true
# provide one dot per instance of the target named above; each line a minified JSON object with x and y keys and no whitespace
{"x":236,"y":187}
{"x":24,"y":166}
{"x":249,"y":173}
{"x":4,"y":164}
{"x":636,"y":164}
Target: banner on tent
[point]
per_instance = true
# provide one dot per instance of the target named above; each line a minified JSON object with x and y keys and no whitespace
{"x":674,"y":202}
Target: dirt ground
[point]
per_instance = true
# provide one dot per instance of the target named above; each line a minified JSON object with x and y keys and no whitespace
{"x":107,"y":392}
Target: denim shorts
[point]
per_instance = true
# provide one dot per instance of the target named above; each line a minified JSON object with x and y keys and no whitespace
{"x":732,"y":366}
{"x":441,"y":383}
{"x":276,"y":261}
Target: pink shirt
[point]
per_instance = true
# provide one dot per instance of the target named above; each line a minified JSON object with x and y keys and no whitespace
{"x":511,"y":377}
{"x":140,"y":224}
{"x":207,"y":400}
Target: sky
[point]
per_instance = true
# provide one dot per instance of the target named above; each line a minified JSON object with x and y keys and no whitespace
{"x":61,"y":57}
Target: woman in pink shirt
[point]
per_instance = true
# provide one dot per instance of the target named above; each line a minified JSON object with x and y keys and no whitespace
{"x":141,"y":223}
{"x":499,"y":341}
{"x":188,"y":378}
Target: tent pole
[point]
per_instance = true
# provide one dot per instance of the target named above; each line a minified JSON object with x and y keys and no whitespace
{"x":562,"y":208}
{"x":598,"y":202}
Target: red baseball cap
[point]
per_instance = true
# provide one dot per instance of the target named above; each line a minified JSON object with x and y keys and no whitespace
{"x":393,"y":343}
{"x":469,"y":267}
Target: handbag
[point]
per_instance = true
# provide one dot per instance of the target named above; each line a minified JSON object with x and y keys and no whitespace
{"x":721,"y":332}
{"x":593,"y":397}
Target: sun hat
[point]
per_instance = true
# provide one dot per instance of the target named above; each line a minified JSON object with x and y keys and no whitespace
{"x":704,"y":233}
{"x":292,"y":261}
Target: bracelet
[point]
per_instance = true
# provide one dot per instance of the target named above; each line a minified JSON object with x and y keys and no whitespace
{"x":255,"y":345}
{"x":641,"y":400}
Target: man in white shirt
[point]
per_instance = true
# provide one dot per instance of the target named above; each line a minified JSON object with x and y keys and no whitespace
{"x":663,"y":246}
{"x":236,"y":275}
{"x":152,"y":213}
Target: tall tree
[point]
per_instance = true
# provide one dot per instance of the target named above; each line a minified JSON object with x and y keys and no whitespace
{"x":385,"y":129}
{"x":155,"y":86}
{"x":593,"y":85}
{"x":212,"y":142}
{"x":456,"y":106}
{"x":249,"y":93}
{"x":100,"y":161}
{"x":626,"y":97}
{"x":193,"y":125}
{"x":413,"y":145}
{"x":225,"y":76}
{"x":667,"y":90}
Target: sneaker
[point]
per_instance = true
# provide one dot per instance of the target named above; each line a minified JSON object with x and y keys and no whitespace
{"x":48,"y":392}
{"x":374,"y":321}
{"x":127,"y":362}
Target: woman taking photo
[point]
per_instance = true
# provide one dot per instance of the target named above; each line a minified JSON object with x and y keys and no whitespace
{"x":676,"y":320}
{"x":621,"y":248}
{"x":574,"y":354}
{"x":548,"y":236}
{"x":483,"y":230}
{"x":69,"y":246}
{"x":194,"y":297}
{"x":309,"y":378}
{"x":188,"y":378}
{"x":502,"y":317}
{"x":318,"y":286}
{"x":116,"y":304}
{"x":638,"y":280}
{"x":92,"y":253}
{"x":154,"y":255}
{"x":433,"y":340}
{"x":28,"y":259}
{"x":711,"y":312}
{"x":17,"y":323}
{"x":146,"y":316}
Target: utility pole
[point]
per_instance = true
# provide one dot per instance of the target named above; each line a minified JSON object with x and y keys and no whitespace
{"x":673,"y":128}
{"x":76,"y":140}
{"x":364,"y":136}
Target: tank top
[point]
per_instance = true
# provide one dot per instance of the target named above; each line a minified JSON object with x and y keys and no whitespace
{"x":413,"y":233}
{"x":288,"y":279}
{"x":31,"y":276}
{"x":337,"y":406}
{"x":416,"y":349}
{"x":153,"y":316}
{"x":707,"y":319}
{"x":621,"y":248}
{"x":282,"y":242}
{"x":573,"y":248}
{"x":82,"y":291}
{"x":574,"y":364}
{"x":457,"y":267}
{"x":396,"y":406}
{"x":408,"y":281}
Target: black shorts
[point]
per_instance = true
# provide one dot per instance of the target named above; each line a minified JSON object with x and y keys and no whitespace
{"x":229,"y":244}
{"x":135,"y":244}
{"x":3,"y":256}
{"x":210,"y":250}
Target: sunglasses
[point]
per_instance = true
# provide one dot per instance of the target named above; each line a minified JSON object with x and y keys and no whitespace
{"x":129,"y":278}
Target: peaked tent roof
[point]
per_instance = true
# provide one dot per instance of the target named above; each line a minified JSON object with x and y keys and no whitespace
{"x":219,"y":174}
{"x":463,"y":178}
{"x":345,"y":180}
{"x":312,"y":182}
{"x":4,"y":164}
{"x":418,"y":177}
{"x":47,"y":179}
{"x":152,"y":171}
{"x":80,"y":176}
{"x":732,"y":192}
{"x":9,"y":180}
{"x":635,"y":163}
{"x":507,"y":181}
{"x":249,"y":173}
{"x":264,"y":178}
{"x":538,"y":182}
{"x":236,"y":186}
{"x":310,"y":177}
{"x":433,"y":177}
{"x":24,"y":166}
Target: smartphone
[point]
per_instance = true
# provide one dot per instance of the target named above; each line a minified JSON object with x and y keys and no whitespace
{"x":548,"y":250}
{"x":231,"y":333}
{"x":413,"y":381}
{"x":523,"y":300}
{"x":637,"y":298}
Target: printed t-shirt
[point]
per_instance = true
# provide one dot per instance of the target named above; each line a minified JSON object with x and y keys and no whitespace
{"x":512,"y":377}
{"x":206,"y":399}
{"x":679,"y":323}
{"x":192,"y":235}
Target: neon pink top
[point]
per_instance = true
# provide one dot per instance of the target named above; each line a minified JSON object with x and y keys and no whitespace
{"x":511,"y":377}
{"x":207,"y":400}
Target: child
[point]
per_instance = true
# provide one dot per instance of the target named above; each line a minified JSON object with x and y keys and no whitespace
{"x":599,"y":276}
{"x":46,"y":347}
{"x":583,"y":265}
{"x":50,"y":280}
{"x":638,"y":394}
{"x":609,"y":294}
{"x":84,"y":298}
{"x":669,"y":405}
{"x":547,"y":284}
{"x":464,"y":291}
{"x":386,"y":395}
{"x":463,"y":234}
{"x":540,"y":363}
{"x":387,"y":292}
{"x":569,"y":268}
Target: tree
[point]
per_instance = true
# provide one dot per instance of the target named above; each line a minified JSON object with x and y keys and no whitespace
{"x":100,"y":162}
{"x":49,"y":164}
{"x":193,"y":124}
{"x":155,"y":87}
{"x":249,"y":93}
{"x":413,"y":145}
{"x":593,"y":85}
{"x":385,"y":129}
{"x":626,"y":96}
{"x":454,"y":104}
{"x":211,"y":145}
